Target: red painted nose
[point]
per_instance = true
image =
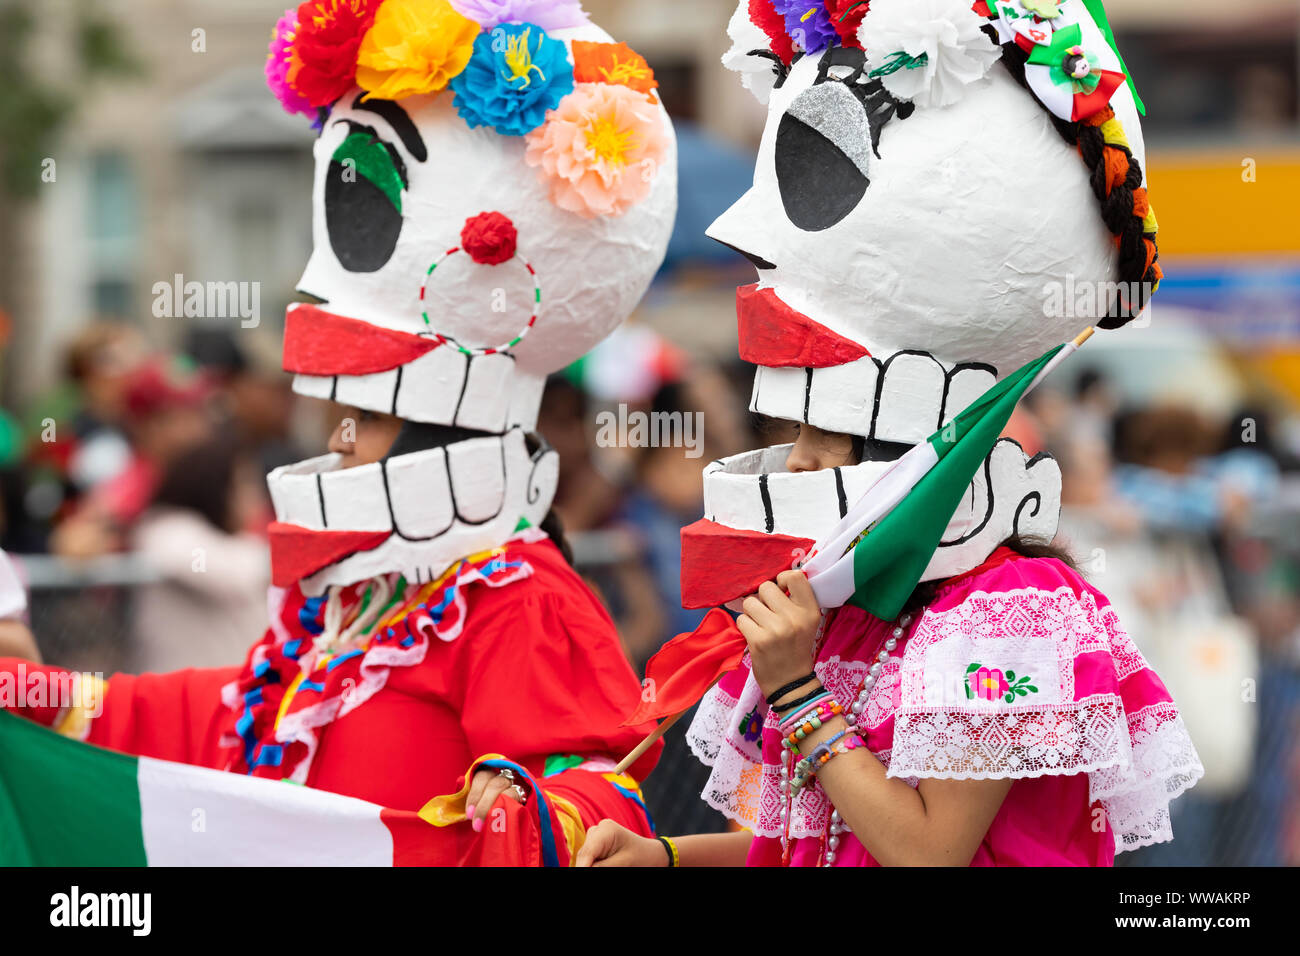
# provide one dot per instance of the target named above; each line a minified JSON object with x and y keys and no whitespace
{"x":489,"y":238}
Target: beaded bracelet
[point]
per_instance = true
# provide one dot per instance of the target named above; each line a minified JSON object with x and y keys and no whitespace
{"x":823,"y":709}
{"x":807,"y":768}
{"x":820,"y":755}
{"x":795,"y":718}
{"x":813,"y":723}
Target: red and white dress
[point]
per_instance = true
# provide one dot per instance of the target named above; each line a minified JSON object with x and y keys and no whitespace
{"x":508,"y":657}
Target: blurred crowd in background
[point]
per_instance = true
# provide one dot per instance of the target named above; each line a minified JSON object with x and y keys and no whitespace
{"x":132,"y":462}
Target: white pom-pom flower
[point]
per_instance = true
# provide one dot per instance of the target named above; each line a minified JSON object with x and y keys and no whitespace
{"x":926,"y":51}
{"x":756,"y":72}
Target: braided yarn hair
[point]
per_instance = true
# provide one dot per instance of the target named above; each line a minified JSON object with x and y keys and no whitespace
{"x":1116,"y":178}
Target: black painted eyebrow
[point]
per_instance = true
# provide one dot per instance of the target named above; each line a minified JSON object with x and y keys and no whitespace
{"x":876,"y":101}
{"x":399,"y":121}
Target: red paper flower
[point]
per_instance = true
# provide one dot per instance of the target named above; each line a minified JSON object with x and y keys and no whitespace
{"x":324,"y":58}
{"x":765,"y":17}
{"x":852,"y":16}
{"x":489,"y":238}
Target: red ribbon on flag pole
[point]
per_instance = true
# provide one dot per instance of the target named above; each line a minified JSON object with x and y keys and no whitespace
{"x":687,"y":666}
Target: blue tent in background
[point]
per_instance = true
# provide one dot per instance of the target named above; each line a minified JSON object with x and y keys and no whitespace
{"x":711,"y":175}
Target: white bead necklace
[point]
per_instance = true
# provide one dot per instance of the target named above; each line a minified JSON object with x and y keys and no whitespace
{"x":851,"y":717}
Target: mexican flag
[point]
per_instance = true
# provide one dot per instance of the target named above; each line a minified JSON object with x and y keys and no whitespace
{"x":64,"y":803}
{"x":876,"y":555}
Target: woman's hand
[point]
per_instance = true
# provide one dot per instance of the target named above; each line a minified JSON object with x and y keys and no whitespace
{"x":609,"y":844}
{"x":781,"y":629}
{"x":484,"y":789}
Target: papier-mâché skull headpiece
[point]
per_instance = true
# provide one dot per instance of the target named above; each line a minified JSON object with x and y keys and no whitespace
{"x":914,"y":203}
{"x":495,"y":186}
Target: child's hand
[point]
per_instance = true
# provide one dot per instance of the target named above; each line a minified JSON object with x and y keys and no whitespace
{"x":609,"y":844}
{"x":781,"y":629}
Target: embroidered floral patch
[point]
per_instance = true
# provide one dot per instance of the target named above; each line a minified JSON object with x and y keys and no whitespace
{"x":751,"y":727}
{"x":990,"y":683}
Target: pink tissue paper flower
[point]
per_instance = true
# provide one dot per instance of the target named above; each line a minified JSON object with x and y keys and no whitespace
{"x":277,"y":65}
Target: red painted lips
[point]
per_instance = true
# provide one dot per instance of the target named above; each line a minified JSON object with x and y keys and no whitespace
{"x":298,"y":552}
{"x":775,"y":335}
{"x":317,"y":342}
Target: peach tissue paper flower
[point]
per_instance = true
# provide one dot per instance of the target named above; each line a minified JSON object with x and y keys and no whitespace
{"x":600,"y":149}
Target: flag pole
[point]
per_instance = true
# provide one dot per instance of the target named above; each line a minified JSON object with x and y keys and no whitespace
{"x":1059,"y":357}
{"x":646,"y":744}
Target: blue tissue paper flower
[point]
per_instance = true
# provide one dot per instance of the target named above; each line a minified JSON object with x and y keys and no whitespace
{"x":514,"y":76}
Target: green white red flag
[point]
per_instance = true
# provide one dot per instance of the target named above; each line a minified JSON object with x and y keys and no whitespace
{"x":875,"y":556}
{"x":65,"y":803}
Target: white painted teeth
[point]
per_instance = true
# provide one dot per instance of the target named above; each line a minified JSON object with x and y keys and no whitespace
{"x":425,"y":492}
{"x":419,"y":489}
{"x":905,"y":399}
{"x":294,"y":492}
{"x":844,"y":396}
{"x":754,"y":492}
{"x":443,"y":387}
{"x":779,"y":392}
{"x":314,"y":386}
{"x":966,"y":384}
{"x":910,"y":400}
{"x":373,"y":392}
{"x":354,"y":499}
{"x":431,"y":386}
{"x":487,"y":393}
{"x":478,"y":478}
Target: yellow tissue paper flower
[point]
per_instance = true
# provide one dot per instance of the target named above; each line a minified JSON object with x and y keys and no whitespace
{"x":413,"y":47}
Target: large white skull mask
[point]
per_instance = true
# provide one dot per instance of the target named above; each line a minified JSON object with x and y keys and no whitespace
{"x":905,"y":255}
{"x":410,"y":324}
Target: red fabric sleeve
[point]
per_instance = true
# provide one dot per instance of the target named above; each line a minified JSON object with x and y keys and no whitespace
{"x":548,"y":676}
{"x":175,"y":716}
{"x":24,"y":689}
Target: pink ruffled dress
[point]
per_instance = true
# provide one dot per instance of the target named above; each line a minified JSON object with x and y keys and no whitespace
{"x":1018,"y":669}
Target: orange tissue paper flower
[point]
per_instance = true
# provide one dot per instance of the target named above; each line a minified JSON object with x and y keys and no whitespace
{"x":612,"y":63}
{"x":600,"y":149}
{"x":414,"y":46}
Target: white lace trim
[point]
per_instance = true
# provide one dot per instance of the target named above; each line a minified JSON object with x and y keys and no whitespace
{"x":1137,"y":763}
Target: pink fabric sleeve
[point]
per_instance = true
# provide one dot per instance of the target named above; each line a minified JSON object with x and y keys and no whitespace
{"x":1026,"y":671}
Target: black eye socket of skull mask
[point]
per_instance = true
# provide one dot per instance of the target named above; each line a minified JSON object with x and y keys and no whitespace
{"x":365,"y":186}
{"x":825,"y":140}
